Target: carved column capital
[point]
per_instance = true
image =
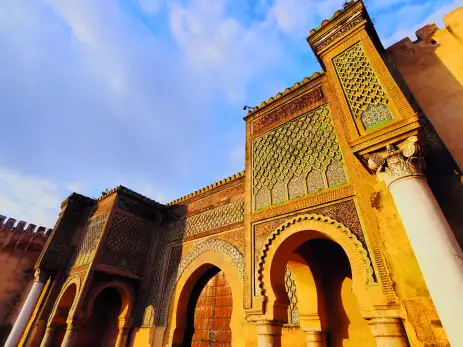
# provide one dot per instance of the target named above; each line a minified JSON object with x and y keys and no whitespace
{"x":41,"y":275}
{"x":398,"y":161}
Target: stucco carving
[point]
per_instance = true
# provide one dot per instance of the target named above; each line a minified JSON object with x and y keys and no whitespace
{"x":208,"y":220}
{"x":338,"y":226}
{"x":396,"y":162}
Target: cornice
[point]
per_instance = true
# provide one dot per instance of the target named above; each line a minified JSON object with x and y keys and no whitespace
{"x":208,"y":188}
{"x":281,"y":96}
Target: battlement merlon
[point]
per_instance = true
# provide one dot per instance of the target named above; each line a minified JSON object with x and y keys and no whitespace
{"x":347,"y":20}
{"x":10,"y":224}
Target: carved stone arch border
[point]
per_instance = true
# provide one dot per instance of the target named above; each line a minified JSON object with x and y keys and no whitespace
{"x":74,"y":280}
{"x":127,"y":300}
{"x":316,"y":226}
{"x":189,"y":276}
{"x":223,"y":247}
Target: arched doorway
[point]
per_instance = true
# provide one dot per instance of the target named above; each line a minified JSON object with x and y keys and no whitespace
{"x":326,"y":301}
{"x":101,"y":327}
{"x":61,"y":314}
{"x":209,"y":311}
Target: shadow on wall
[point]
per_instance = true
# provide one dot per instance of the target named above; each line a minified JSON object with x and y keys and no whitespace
{"x":430,"y":73}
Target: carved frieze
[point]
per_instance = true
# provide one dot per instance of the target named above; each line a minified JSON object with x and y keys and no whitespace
{"x":208,"y":220}
{"x":299,"y":105}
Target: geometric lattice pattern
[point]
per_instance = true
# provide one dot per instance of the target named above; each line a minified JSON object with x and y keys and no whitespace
{"x":128,"y":243}
{"x":361,"y":87}
{"x":296,"y":148}
{"x":153,"y":291}
{"x":92,"y":234}
{"x":217,"y":217}
{"x":212,"y":314}
{"x":290,"y":286}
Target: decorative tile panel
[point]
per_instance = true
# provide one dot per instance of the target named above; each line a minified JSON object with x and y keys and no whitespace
{"x":296,"y":187}
{"x":128,"y":243}
{"x":365,"y":95}
{"x":303,"y":147}
{"x":208,"y":220}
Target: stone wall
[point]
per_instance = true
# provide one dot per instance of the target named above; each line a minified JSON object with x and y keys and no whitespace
{"x":433,"y":70}
{"x":19,"y":249}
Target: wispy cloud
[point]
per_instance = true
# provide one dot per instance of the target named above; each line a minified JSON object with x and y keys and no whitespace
{"x":147,"y":93}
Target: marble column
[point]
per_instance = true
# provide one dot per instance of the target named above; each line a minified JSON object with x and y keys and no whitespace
{"x":269,"y":333}
{"x":25,"y":314}
{"x":71,"y":334}
{"x":437,"y":251}
{"x":388,"y":332}
{"x":48,"y":337}
{"x":122,"y":337}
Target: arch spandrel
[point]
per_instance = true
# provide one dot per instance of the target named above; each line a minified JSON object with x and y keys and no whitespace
{"x":291,"y":234}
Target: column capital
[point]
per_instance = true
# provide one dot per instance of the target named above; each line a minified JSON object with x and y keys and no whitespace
{"x":398,"y":161}
{"x":41,"y":275}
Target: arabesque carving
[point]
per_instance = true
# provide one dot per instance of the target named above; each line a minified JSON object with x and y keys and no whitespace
{"x":398,"y":161}
{"x":296,"y":149}
{"x":365,"y":95}
{"x":315,"y":217}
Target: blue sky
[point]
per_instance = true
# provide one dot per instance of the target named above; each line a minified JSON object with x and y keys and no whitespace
{"x":147,"y":93}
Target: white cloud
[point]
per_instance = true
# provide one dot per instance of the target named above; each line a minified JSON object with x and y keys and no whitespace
{"x":29,"y":198}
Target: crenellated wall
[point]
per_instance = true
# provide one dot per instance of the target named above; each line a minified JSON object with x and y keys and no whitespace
{"x":20,"y":246}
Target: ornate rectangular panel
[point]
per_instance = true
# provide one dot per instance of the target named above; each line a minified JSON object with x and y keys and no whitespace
{"x":300,"y":157}
{"x":366,"y":97}
{"x":208,"y":220}
{"x":128,"y":243}
{"x":298,"y":105}
{"x":87,"y":246}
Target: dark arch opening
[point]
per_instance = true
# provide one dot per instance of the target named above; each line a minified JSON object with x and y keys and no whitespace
{"x":62,"y":312}
{"x":330,"y":267}
{"x":101,"y":328}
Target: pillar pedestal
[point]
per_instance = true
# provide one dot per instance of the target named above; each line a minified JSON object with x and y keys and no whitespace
{"x":25,"y":314}
{"x":314,"y":338}
{"x":269,"y":333}
{"x":122,"y":337}
{"x":48,"y":337}
{"x":71,"y":334}
{"x":388,"y":332}
{"x":437,"y":251}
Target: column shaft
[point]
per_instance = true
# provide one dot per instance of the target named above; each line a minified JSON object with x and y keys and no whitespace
{"x":439,"y":256}
{"x":25,"y":314}
{"x":48,"y":337}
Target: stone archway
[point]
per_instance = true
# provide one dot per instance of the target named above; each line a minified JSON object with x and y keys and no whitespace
{"x":189,"y":277}
{"x":62,"y":313}
{"x":293,"y":233}
{"x":107,"y":315}
{"x":356,"y":279}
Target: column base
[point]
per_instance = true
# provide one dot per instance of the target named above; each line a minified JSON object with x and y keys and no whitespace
{"x":269,"y":333}
{"x":388,"y":332}
{"x":315,"y":338}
